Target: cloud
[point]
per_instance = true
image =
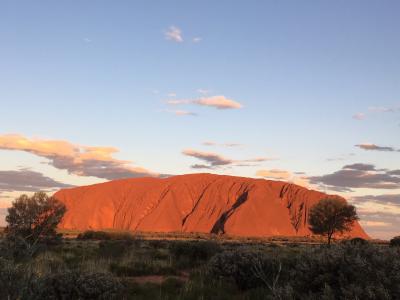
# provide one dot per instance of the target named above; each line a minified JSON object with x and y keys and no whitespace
{"x":27,"y":181}
{"x":219,"y":102}
{"x":373,"y":147}
{"x":340,"y":157}
{"x":274,"y":173}
{"x":215,"y":160}
{"x":197,"y":39}
{"x":200,"y":166}
{"x":379,"y":214}
{"x":374,"y":223}
{"x":172,"y":94}
{"x":76,"y":159}
{"x":174,"y":34}
{"x":376,"y":109}
{"x":383,"y":109}
{"x":203,"y":91}
{"x":211,"y":143}
{"x":212,"y":158}
{"x":359,"y":116}
{"x":359,"y":176}
{"x":387,"y":199}
{"x":277,"y":174}
{"x":182,"y":112}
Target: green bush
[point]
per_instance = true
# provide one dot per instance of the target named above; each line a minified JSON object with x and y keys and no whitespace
{"x":189,"y":253}
{"x":248,"y":269}
{"x":93,"y":235}
{"x":142,"y":268}
{"x":395,"y":242}
{"x":357,"y":241}
{"x":352,"y":271}
{"x":12,"y":280}
{"x":105,"y":235}
{"x":76,"y":285}
{"x":114,"y":249}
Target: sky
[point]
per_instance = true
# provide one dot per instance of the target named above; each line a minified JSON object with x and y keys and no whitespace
{"x":302,"y":91}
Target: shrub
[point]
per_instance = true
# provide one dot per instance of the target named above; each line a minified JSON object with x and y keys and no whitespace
{"x":248,"y":269}
{"x":142,"y":268}
{"x":352,"y":271}
{"x":12,"y":279}
{"x":113,"y":249}
{"x":93,"y":235}
{"x":194,"y":251}
{"x":395,"y":242}
{"x":356,"y":241}
{"x":106,"y":236}
{"x":75,"y":285}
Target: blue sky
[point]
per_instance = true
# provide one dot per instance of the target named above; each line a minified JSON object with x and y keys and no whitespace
{"x":312,"y":78}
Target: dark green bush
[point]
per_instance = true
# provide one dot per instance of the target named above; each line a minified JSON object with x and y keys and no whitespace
{"x":352,"y":271}
{"x":105,"y":235}
{"x":248,"y":269}
{"x":75,"y":285}
{"x":12,"y":279}
{"x":194,"y":251}
{"x":93,"y":235}
{"x":113,"y":249}
{"x":344,"y":271}
{"x":395,"y":242}
{"x":357,"y":241}
{"x":141,"y":268}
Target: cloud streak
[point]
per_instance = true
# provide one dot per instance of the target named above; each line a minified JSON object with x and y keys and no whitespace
{"x":27,"y":181}
{"x":76,"y":159}
{"x":359,"y":176}
{"x":214,"y":160}
{"x":283,"y":175}
{"x":182,"y":113}
{"x":229,"y":145}
{"x":218,"y":102}
{"x":373,"y":147}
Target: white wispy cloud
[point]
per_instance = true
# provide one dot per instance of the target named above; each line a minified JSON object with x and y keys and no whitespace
{"x":219,"y":102}
{"x":174,"y":34}
{"x":211,"y":143}
{"x":277,"y":174}
{"x":181,"y":112}
{"x":359,"y":116}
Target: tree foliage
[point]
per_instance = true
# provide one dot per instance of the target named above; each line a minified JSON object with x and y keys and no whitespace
{"x":330,"y":216}
{"x":32,"y":221}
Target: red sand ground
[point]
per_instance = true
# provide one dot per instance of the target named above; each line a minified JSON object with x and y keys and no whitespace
{"x":205,"y":203}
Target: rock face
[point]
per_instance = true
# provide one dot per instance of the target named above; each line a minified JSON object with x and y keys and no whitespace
{"x":194,"y":203}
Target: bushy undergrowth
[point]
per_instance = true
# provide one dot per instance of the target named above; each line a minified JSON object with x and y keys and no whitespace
{"x":344,"y":271}
{"x":106,"y":269}
{"x":190,"y":253}
{"x":395,"y":242}
{"x":105,"y":235}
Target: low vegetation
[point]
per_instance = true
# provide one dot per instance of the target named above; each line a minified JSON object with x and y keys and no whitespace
{"x":120,"y":265}
{"x":209,"y":269}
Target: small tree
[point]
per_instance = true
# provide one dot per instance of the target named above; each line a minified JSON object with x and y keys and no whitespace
{"x":32,"y":221}
{"x":330,"y":216}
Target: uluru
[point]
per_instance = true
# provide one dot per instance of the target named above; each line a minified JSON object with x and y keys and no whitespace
{"x":201,"y":203}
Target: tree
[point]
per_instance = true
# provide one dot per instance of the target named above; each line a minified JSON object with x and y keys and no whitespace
{"x":330,"y":216}
{"x":32,"y":221}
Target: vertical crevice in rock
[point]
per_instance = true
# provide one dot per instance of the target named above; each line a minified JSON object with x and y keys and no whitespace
{"x":219,"y":226}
